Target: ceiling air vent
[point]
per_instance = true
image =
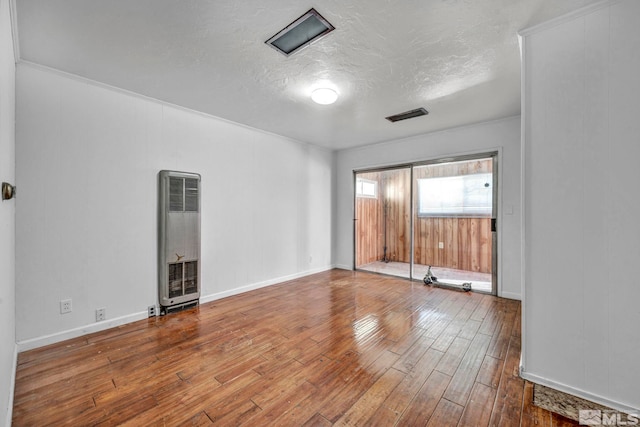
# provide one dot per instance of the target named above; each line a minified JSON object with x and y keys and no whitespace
{"x":408,"y":115}
{"x":300,"y":33}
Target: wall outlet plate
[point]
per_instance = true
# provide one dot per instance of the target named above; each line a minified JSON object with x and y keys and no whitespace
{"x":66,"y":306}
{"x":101,"y":314}
{"x":152,"y":311}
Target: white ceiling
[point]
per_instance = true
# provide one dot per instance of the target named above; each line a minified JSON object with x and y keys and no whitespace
{"x":457,"y":58}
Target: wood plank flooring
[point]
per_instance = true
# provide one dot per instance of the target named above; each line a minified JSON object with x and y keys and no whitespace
{"x":336,"y":348}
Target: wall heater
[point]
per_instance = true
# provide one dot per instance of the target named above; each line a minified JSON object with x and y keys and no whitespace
{"x":178,"y":240}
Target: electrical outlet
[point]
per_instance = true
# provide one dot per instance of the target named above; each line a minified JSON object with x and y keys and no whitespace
{"x":101,"y":314}
{"x":65,"y":306}
{"x":152,"y":311}
{"x":440,"y":245}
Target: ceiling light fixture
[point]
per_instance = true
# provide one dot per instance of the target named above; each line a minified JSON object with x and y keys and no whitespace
{"x":324,"y":96}
{"x":300,"y":33}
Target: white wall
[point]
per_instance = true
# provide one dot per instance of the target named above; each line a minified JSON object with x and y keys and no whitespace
{"x":7,"y":216}
{"x":582,"y":205}
{"x":87,"y":160}
{"x":485,"y":137}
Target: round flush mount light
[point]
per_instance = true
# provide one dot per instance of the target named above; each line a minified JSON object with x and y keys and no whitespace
{"x":324,"y":96}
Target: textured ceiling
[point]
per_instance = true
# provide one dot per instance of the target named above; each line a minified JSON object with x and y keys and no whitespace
{"x":457,"y":58}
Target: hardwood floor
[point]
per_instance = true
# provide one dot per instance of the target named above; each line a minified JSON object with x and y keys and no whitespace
{"x":336,"y":348}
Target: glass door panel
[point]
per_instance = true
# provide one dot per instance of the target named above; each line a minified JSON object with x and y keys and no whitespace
{"x":453,"y":211}
{"x":383,"y":221}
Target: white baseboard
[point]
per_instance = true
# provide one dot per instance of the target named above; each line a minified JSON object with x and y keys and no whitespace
{"x":344,"y":267}
{"x":511,"y":295}
{"x":580,"y":393}
{"x":219,"y":295}
{"x":77,"y":332}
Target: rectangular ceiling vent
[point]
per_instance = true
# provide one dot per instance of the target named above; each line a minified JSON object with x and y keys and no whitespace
{"x":300,"y":33}
{"x":408,"y":115}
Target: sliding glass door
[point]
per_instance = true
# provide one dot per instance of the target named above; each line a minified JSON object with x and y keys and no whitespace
{"x":438,"y":215}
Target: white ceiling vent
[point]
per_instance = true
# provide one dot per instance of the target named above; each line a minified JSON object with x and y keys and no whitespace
{"x":300,"y":33}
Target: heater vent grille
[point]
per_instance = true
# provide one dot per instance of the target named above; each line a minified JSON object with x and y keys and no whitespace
{"x":183,"y":195}
{"x":175,"y":280}
{"x":183,"y":278}
{"x":191,"y":195}
{"x":176,"y":194}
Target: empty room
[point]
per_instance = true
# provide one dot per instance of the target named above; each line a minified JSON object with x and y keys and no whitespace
{"x":314,"y":214}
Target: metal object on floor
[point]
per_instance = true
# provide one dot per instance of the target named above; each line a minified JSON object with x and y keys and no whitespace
{"x":178,"y":307}
{"x":430,"y":279}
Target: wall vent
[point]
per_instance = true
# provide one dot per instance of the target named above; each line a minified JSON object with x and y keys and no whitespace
{"x":407,"y":115}
{"x":300,"y":33}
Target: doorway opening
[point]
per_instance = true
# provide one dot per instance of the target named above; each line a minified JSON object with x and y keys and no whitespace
{"x":438,"y":214}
